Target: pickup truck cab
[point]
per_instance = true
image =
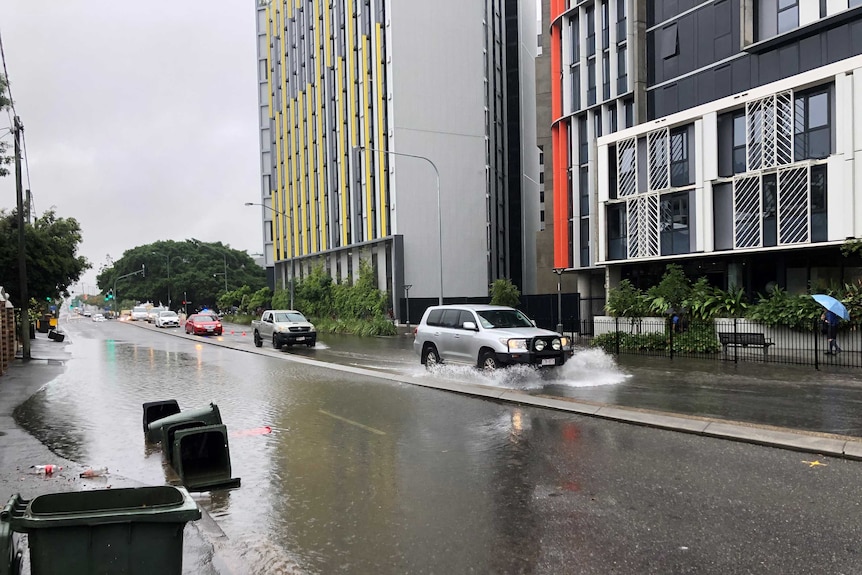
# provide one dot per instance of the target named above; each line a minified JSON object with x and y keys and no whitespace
{"x":283,"y":327}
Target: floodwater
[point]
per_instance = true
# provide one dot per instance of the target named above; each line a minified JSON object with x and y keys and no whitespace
{"x":366,"y":475}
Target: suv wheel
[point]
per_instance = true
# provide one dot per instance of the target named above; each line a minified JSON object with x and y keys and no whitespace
{"x":488,"y":361}
{"x":275,"y":343}
{"x":257,"y":341}
{"x":430,"y":357}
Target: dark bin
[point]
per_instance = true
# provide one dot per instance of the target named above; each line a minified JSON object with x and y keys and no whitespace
{"x":56,"y":335}
{"x":132,"y":531}
{"x":201,"y":458}
{"x":11,"y":553}
{"x":203,"y":416}
{"x":155,"y":410}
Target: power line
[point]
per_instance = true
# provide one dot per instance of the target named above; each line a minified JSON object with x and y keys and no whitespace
{"x":15,"y":114}
{"x":6,"y":74}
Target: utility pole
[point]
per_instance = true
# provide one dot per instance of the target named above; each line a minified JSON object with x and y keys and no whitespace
{"x":17,"y":128}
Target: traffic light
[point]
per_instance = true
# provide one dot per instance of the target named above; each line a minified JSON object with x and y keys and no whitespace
{"x":110,"y":295}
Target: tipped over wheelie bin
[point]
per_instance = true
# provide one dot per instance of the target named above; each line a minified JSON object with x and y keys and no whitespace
{"x":194,"y":417}
{"x":130,"y":531}
{"x":155,"y":410}
{"x":201,"y":458}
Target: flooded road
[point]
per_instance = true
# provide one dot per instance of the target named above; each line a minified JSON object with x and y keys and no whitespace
{"x":363,"y":475}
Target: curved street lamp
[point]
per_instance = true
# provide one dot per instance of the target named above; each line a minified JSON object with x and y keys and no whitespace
{"x":292,"y":255}
{"x":439,"y":213}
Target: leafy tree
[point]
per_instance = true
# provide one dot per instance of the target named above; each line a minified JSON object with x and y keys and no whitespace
{"x":196,"y":272}
{"x":504,"y":292}
{"x":781,"y":308}
{"x":5,"y":158}
{"x":670,"y":293}
{"x":52,"y":261}
{"x":313,"y":295}
{"x":626,"y":300}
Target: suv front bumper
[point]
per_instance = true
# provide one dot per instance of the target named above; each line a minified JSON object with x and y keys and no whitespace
{"x":300,"y":337}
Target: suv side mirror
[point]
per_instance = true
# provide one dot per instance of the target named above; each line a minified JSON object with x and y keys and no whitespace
{"x":470,"y":325}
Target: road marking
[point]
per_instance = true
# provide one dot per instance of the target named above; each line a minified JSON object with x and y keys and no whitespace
{"x":351,"y":422}
{"x":816,"y":463}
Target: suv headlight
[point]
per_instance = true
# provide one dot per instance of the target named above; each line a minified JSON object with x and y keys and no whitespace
{"x":540,"y":344}
{"x":514,"y":345}
{"x":556,"y":344}
{"x":564,"y":341}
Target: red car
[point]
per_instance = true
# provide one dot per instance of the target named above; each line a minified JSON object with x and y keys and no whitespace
{"x":203,"y":324}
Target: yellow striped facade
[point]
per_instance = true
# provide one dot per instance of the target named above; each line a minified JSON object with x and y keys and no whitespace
{"x":327,"y":95}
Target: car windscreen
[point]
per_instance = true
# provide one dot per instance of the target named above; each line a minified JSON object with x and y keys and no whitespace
{"x":291,"y":316}
{"x":205,"y":318}
{"x":139,"y":310}
{"x":503,"y":318}
{"x":167,"y":314}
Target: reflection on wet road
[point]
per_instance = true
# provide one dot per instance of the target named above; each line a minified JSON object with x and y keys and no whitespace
{"x":362,"y":475}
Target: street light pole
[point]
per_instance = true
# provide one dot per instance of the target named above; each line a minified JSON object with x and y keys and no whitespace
{"x":168,"y":260}
{"x":439,"y":213}
{"x":559,"y":272}
{"x":292,"y":252}
{"x":407,"y":298}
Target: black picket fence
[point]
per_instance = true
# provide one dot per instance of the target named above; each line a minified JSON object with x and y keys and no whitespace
{"x":725,"y":340}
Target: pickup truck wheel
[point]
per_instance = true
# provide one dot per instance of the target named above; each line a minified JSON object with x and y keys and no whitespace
{"x":275,"y":343}
{"x":311,"y":344}
{"x":488,"y":361}
{"x":430,"y":357}
{"x":257,"y":341}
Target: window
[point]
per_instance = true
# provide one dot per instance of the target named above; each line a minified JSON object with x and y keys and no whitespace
{"x":606,"y":75}
{"x":617,"y":232}
{"x":612,"y":118}
{"x":818,"y":203}
{"x":669,"y":42}
{"x":591,"y":81}
{"x":622,"y":72}
{"x":591,"y":31}
{"x":630,"y":113}
{"x":606,"y":26}
{"x":584,"y":191}
{"x":585,"y":242}
{"x":576,"y":88}
{"x":812,"y":130}
{"x":788,"y":15}
{"x":597,"y":124}
{"x":674,"y":224}
{"x":769,"y":193}
{"x":621,"y":21}
{"x":739,"y":143}
{"x":679,"y":163}
{"x":583,"y":142}
{"x":576,"y":39}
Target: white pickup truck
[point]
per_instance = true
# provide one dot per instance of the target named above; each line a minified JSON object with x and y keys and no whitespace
{"x":283,"y":327}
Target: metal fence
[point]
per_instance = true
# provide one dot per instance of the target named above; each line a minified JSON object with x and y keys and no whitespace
{"x":724,"y":340}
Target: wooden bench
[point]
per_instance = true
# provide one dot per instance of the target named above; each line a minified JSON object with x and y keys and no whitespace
{"x":744,"y":339}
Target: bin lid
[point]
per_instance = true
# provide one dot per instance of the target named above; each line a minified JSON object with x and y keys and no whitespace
{"x":160,"y":504}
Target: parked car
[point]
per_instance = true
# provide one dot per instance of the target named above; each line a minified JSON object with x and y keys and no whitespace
{"x":153,"y":313}
{"x":486,"y":336}
{"x":203,"y":324}
{"x":87,"y":313}
{"x":167,"y":318}
{"x":97,"y":317}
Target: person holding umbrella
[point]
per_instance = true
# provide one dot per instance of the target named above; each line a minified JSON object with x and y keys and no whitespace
{"x":835,"y":312}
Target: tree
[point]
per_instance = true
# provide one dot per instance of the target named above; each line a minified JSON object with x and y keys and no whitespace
{"x":52,"y":261}
{"x":5,"y":102}
{"x":196,"y":273}
{"x":504,"y":292}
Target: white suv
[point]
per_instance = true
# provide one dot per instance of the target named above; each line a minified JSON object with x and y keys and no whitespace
{"x":487,"y":336}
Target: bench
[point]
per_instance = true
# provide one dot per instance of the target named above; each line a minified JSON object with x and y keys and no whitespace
{"x":744,"y":339}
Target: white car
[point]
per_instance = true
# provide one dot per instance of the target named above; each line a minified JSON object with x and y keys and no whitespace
{"x":98,"y":317}
{"x":167,"y":319}
{"x":139,"y":313}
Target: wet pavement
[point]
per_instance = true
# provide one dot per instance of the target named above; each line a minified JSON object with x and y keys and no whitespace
{"x":368,"y":471}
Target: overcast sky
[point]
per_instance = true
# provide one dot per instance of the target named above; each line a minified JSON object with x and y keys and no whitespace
{"x":140,"y":119}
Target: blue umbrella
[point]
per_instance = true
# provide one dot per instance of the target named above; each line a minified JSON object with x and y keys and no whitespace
{"x":832,"y":304}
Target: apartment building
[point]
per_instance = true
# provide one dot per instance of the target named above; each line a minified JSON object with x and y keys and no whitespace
{"x":391,"y":133}
{"x":743,"y":169}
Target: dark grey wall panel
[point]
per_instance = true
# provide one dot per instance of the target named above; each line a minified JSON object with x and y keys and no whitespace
{"x":788,"y":60}
{"x":838,"y":44}
{"x":705,"y":88}
{"x":687,"y":93}
{"x":810,"y":53}
{"x":705,"y":49}
{"x":741,"y":78}
{"x":769,"y":71}
{"x":856,"y":37}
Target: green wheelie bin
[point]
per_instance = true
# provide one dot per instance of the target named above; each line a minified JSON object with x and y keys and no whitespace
{"x":129,"y":531}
